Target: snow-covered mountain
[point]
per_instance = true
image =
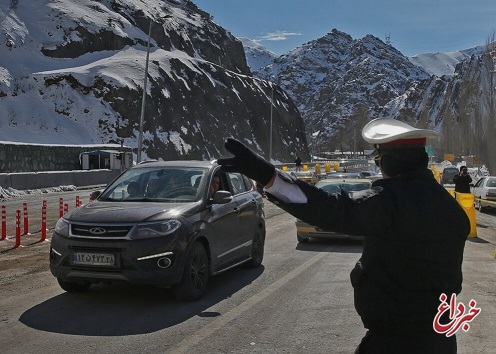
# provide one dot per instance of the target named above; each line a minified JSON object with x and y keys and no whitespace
{"x":257,"y":56}
{"x":74,"y":72}
{"x":440,"y":64}
{"x":340,"y":83}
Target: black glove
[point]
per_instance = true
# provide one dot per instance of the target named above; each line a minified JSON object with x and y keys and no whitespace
{"x":247,"y":162}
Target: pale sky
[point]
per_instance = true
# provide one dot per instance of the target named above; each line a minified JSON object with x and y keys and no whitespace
{"x":415,"y":26}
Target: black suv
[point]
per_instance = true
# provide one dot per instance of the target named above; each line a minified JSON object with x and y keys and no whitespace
{"x":158,"y":223}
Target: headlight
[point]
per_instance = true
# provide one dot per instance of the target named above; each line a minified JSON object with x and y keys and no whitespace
{"x":155,"y":229}
{"x":62,"y":227}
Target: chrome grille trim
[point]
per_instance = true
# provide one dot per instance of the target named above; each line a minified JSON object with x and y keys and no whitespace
{"x":102,"y":231}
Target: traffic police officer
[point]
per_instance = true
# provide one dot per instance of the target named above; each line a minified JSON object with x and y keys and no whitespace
{"x":414,"y":235}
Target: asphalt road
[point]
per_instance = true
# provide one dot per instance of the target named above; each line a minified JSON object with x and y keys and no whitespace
{"x":299,"y":301}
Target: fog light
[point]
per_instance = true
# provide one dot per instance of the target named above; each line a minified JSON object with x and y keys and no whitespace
{"x":164,"y":262}
{"x":54,"y":253}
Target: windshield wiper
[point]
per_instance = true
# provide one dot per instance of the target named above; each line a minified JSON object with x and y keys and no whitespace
{"x":145,"y":199}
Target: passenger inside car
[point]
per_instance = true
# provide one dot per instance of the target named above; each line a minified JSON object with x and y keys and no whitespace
{"x":153,"y":187}
{"x":133,"y":189}
{"x":214,"y":185}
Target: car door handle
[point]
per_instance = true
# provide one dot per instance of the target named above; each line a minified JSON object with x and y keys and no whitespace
{"x":237,"y":210}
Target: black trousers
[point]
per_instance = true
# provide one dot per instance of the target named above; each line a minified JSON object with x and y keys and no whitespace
{"x":406,"y":341}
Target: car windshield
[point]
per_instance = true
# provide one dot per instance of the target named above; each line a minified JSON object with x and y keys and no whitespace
{"x":304,"y":174}
{"x":343,"y":175}
{"x":333,"y":188}
{"x":450,"y":171}
{"x":165,"y":184}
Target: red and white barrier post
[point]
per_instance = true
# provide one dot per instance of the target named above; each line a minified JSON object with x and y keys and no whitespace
{"x":77,"y":201}
{"x":26,"y":220}
{"x":43,"y":221}
{"x":61,"y":207}
{"x":18,"y":229}
{"x":66,"y":208}
{"x":4,"y":223}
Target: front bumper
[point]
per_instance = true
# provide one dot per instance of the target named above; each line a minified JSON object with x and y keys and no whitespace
{"x":155,"y":261}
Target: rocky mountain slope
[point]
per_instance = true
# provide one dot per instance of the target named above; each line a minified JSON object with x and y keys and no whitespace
{"x":73,"y":73}
{"x":339,"y":83}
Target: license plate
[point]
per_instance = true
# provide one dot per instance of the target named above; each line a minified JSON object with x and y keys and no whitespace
{"x":94,"y":259}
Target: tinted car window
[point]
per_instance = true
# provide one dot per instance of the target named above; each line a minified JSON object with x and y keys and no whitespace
{"x":155,"y":184}
{"x":354,"y":187}
{"x":491,"y":182}
{"x":333,"y":188}
{"x":237,"y":183}
{"x":248,"y":183}
{"x":448,"y":174}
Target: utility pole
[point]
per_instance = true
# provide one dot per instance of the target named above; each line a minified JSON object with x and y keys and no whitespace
{"x":271,"y":105}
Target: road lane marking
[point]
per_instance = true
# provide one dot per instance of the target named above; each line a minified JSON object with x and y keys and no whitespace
{"x":194,"y":339}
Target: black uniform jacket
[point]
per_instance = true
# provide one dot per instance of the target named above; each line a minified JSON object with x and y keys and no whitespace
{"x":414,"y":235}
{"x":462,"y":183}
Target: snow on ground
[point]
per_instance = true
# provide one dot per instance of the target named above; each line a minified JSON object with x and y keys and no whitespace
{"x":10,"y":192}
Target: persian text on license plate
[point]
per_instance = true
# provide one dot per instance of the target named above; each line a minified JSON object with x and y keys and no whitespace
{"x":96,"y":259}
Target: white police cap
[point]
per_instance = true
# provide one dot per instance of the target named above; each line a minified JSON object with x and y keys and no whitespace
{"x":394,"y":132}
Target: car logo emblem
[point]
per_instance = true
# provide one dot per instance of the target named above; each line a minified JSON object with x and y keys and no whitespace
{"x":97,"y":230}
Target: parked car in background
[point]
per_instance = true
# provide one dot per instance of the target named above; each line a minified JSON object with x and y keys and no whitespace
{"x":306,"y":231}
{"x":341,"y":175}
{"x":158,"y":223}
{"x":307,"y":176}
{"x":484,"y":192}
{"x":448,"y":174}
{"x":370,"y":175}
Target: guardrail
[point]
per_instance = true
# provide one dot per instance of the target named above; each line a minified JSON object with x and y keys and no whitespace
{"x":47,"y":179}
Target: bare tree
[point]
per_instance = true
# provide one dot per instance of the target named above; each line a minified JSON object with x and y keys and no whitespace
{"x":490,"y":129}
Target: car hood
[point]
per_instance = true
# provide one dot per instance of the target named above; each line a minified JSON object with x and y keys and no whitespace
{"x":98,"y":211}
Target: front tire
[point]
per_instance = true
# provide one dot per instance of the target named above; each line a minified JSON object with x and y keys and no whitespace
{"x":195,"y":277}
{"x":301,"y":239}
{"x":74,"y":286}
{"x":257,"y":249}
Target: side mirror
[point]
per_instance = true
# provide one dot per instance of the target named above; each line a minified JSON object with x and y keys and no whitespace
{"x":221,"y":197}
{"x":95,"y":194}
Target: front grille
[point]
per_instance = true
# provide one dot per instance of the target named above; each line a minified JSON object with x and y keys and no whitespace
{"x":100,"y":231}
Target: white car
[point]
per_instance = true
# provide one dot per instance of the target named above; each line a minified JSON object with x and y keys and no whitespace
{"x":484,"y":192}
